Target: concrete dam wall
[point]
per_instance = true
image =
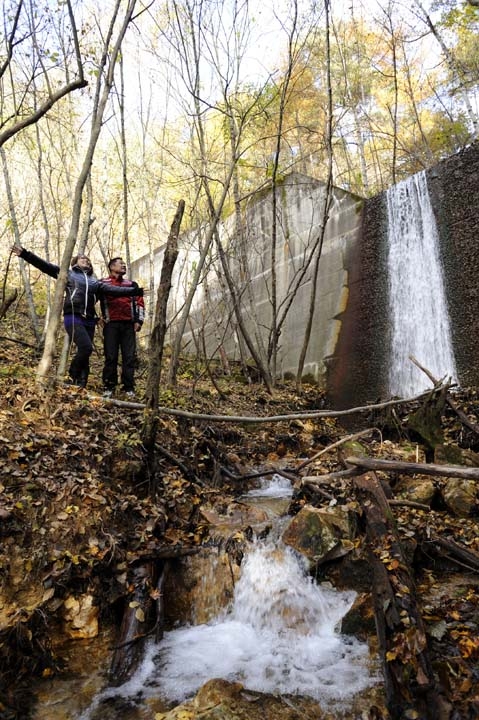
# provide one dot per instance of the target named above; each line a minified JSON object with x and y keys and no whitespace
{"x":353,"y":334}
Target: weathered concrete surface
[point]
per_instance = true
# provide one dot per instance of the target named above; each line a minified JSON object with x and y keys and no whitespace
{"x":454,"y":186}
{"x":299,"y":218}
{"x":348,"y":351}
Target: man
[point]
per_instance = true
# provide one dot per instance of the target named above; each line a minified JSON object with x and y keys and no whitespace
{"x":122,"y":319}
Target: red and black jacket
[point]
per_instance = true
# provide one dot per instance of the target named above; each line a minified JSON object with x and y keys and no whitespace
{"x":123,"y":309}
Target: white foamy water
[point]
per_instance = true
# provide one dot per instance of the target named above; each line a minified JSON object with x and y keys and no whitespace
{"x":274,"y":486}
{"x":279,"y":636}
{"x":417,"y":301}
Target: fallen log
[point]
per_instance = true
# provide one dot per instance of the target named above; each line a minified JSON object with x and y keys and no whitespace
{"x":410,"y":468}
{"x":259,"y":419}
{"x":454,"y":551}
{"x":136,"y":623}
{"x":408,"y":676}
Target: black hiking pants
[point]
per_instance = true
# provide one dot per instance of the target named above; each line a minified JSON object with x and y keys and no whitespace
{"x":119,"y":335}
{"x":80,"y":331}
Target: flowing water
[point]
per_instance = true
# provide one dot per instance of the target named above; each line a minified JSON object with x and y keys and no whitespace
{"x":279,"y":635}
{"x":417,"y":300}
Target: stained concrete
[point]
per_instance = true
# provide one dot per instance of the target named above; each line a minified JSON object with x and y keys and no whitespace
{"x":348,"y":351}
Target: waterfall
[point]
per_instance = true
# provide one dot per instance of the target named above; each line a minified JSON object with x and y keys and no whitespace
{"x":278,"y":635}
{"x":417,"y":301}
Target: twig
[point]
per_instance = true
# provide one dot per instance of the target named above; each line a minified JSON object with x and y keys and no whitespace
{"x":336,"y":444}
{"x":19,"y":342}
{"x":315,"y":480}
{"x":409,"y":503}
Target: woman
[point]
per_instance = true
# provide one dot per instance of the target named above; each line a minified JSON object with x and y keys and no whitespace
{"x":81,"y":293}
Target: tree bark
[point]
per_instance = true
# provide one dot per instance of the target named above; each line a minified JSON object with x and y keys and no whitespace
{"x":408,"y":676}
{"x":6,"y":302}
{"x":414,"y":468}
{"x":157,"y":339}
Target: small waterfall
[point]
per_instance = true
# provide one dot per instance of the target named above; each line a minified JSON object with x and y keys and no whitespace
{"x":278,"y":635}
{"x":417,"y":302}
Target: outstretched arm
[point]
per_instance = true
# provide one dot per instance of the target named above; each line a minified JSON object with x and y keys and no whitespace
{"x":119,"y":291}
{"x":29,"y":257}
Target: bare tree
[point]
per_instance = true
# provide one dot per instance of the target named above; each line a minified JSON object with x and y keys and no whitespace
{"x":111,"y":50}
{"x":17,"y":236}
{"x":327,"y":201}
{"x":455,"y":68}
{"x":150,"y":422}
{"x":27,"y":27}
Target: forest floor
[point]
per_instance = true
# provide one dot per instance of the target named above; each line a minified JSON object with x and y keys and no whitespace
{"x":77,"y":505}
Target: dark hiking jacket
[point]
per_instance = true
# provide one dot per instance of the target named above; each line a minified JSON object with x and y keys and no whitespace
{"x":82,"y":289}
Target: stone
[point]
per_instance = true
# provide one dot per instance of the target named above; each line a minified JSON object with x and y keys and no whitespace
{"x":321,"y":534}
{"x":460,"y":496}
{"x":420,"y":489}
{"x":359,"y":620}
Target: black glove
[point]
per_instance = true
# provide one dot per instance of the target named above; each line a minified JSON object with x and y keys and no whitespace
{"x":138,"y":292}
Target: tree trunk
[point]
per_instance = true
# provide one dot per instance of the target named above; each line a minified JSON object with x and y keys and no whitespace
{"x":157,"y":338}
{"x":137,"y":622}
{"x":408,"y":676}
{"x":6,"y":302}
{"x":26,"y":282}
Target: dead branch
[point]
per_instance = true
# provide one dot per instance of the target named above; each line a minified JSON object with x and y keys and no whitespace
{"x":187,"y":472}
{"x":314,"y":480}
{"x":18,"y":342}
{"x":457,"y":552}
{"x":410,"y":685}
{"x":338,"y":443}
{"x":460,"y":413}
{"x":266,"y":419}
{"x":410,"y":468}
{"x":409,"y":503}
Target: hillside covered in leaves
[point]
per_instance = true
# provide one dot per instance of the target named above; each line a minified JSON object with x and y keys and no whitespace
{"x":80,"y":506}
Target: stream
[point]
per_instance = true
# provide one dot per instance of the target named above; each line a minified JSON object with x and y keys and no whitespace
{"x":278,"y":635}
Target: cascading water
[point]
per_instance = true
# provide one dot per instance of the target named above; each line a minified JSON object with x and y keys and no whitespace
{"x":278,"y":636}
{"x":417,"y":302}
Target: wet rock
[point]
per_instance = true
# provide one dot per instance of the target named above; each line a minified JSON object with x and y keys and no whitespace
{"x":359,"y":620}
{"x":460,"y":496}
{"x":321,"y":534}
{"x":351,"y":572}
{"x":198,"y":587}
{"x":454,"y":455}
{"x":236,"y":515}
{"x":223,"y":700}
